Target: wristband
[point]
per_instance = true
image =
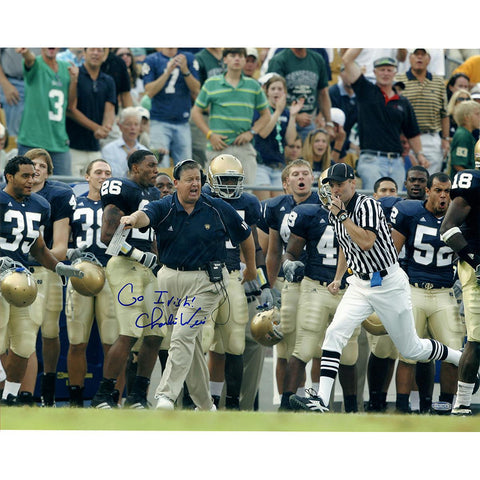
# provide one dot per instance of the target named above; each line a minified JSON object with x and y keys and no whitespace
{"x":262,"y":277}
{"x":187,"y":74}
{"x":209,"y":134}
{"x":336,"y":150}
{"x":132,"y":252}
{"x":468,"y":256}
{"x":420,"y":153}
{"x":329,"y":124}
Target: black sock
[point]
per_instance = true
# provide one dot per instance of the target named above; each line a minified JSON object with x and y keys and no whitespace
{"x":140,"y":385}
{"x":284,"y":402}
{"x":402,"y":402}
{"x":350,"y":403}
{"x":446,"y":397}
{"x":107,"y":385}
{"x":76,"y":395}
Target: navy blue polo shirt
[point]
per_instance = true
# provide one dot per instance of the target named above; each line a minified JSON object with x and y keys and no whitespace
{"x":191,"y":240}
{"x":382,"y":120}
{"x":91,"y":98}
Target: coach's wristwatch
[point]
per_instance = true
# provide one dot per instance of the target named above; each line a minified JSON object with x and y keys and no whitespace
{"x":342,"y":216}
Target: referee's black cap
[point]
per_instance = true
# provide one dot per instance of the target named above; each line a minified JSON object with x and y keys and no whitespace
{"x":339,"y":173}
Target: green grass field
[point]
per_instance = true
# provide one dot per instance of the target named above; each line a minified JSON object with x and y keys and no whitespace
{"x":183,"y":420}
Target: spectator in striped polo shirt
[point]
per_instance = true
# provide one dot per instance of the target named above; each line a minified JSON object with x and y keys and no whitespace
{"x":428,"y":97}
{"x":232,"y":98}
{"x":377,"y":284}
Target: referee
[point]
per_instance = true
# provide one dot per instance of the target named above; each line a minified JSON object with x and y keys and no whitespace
{"x":377,"y":284}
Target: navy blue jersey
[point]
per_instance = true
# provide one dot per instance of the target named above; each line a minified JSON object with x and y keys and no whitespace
{"x":427,"y":257}
{"x":311,"y":223}
{"x":173,"y":102}
{"x":62,"y":202}
{"x":262,"y":224}
{"x":387,"y":204}
{"x":129,"y":197}
{"x":87,"y":226}
{"x":192,"y":240}
{"x":248,"y":207}
{"x":278,"y":210}
{"x":466,"y":184}
{"x":20,"y":224}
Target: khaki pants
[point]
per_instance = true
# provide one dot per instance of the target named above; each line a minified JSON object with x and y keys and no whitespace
{"x":194,"y":299}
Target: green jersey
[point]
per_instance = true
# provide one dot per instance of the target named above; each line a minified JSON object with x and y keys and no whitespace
{"x":462,"y":150}
{"x":46,"y":101}
{"x":304,"y":76}
{"x":231,"y":108}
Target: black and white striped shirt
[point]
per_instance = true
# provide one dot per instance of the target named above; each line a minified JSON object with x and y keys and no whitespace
{"x":366,"y":213}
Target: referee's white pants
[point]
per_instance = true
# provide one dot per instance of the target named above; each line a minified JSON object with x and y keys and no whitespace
{"x":392,"y":303}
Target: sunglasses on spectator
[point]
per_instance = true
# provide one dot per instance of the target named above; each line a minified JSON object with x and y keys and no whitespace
{"x":462,"y":99}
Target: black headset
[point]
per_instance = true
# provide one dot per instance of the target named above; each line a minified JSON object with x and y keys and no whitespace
{"x":178,"y":168}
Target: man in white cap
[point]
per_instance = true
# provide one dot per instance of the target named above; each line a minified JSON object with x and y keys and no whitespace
{"x":251,"y":65}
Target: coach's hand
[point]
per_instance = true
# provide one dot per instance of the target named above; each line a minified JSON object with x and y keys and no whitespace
{"x":334,"y":287}
{"x":293,"y":269}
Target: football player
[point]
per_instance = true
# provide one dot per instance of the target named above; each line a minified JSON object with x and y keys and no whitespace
{"x":80,"y":309}
{"x":429,"y":265}
{"x":224,"y":334}
{"x":300,"y":180}
{"x":310,"y":230}
{"x":22,"y":216}
{"x":49,"y":303}
{"x":464,"y":212}
{"x":131,"y":279}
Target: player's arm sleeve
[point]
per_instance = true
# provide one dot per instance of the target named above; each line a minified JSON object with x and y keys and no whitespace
{"x":400,"y":220}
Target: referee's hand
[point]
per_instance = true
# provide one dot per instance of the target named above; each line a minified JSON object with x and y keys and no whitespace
{"x":336,"y":206}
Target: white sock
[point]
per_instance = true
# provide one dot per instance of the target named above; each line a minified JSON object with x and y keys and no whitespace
{"x":464,"y":394}
{"x":10,"y":387}
{"x":216,"y":388}
{"x":325,"y":388}
{"x":414,"y":400}
{"x":301,"y":391}
{"x":315,"y":386}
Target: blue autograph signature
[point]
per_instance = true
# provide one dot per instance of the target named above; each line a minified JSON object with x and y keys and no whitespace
{"x":157,"y":313}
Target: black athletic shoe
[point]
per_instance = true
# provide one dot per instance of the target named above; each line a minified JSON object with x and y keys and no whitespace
{"x":216,"y":400}
{"x":370,"y":407}
{"x":103,"y":401}
{"x":25,"y":399}
{"x":10,"y":401}
{"x":232,"y":403}
{"x":312,"y":403}
{"x":462,"y":411}
{"x":136,"y":401}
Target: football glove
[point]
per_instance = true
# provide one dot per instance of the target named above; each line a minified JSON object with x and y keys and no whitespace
{"x":266,"y":297}
{"x":75,"y":253}
{"x":66,"y":271}
{"x":251,"y":288}
{"x":293,"y":270}
{"x":6,"y":263}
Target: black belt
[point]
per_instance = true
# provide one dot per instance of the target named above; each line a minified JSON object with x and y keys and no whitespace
{"x":189,"y":269}
{"x":430,"y":132}
{"x":368,"y":276}
{"x":377,"y":153}
{"x":427,"y":285}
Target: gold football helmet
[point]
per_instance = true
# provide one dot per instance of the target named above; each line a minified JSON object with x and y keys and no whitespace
{"x":265,"y":327}
{"x":374,"y":325}
{"x":18,"y":286}
{"x":94,"y":276}
{"x":225,"y":176}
